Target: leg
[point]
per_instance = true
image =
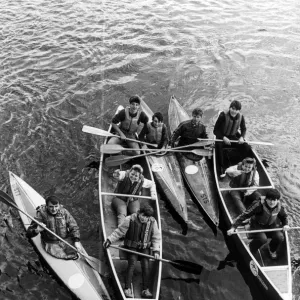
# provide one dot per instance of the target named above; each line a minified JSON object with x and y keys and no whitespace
{"x":115,"y":141}
{"x":244,"y":149}
{"x":132,"y":259}
{"x":120,"y":207}
{"x":248,"y":200}
{"x":145,"y":269}
{"x":133,"y":206}
{"x":276,"y":239}
{"x":135,"y":146}
{"x":220,"y":159}
{"x":237,"y":200}
{"x":259,"y":239}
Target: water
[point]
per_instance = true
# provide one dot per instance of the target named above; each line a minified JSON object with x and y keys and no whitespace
{"x":69,"y":63}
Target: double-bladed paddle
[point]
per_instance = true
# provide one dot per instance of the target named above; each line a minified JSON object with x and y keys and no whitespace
{"x":234,"y":141}
{"x":181,"y":265}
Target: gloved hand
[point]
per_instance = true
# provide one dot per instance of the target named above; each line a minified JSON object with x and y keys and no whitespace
{"x":231,"y":231}
{"x":106,"y":244}
{"x":156,"y":254}
{"x":286,"y":228}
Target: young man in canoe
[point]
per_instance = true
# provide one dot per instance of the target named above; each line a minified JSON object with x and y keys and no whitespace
{"x":155,"y":132}
{"x":131,"y":120}
{"x":189,"y":131}
{"x":60,"y":221}
{"x":227,"y":128}
{"x":130,"y":182}
{"x":141,"y":232}
{"x":244,"y":174}
{"x":264,"y":214}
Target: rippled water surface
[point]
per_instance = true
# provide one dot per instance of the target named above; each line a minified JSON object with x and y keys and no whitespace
{"x":69,"y":63}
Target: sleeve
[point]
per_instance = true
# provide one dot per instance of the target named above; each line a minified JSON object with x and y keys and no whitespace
{"x":149,"y":184}
{"x":252,"y":210}
{"x":177,"y":133}
{"x":143,"y":118}
{"x":283,"y":217}
{"x":164,"y":138}
{"x":120,"y":231}
{"x":156,"y":237}
{"x":256,"y":179}
{"x":218,"y":128}
{"x":233,"y":171}
{"x":243,"y":127}
{"x":143,"y":133}
{"x":204,"y":133}
{"x":73,"y":227}
{"x":119,"y":117}
{"x":30,"y":233}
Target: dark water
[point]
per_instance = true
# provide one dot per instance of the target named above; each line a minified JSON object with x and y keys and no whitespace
{"x":69,"y":63}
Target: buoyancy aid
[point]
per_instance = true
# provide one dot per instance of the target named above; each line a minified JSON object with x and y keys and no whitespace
{"x":243,"y":180}
{"x":130,"y":124}
{"x":125,"y":186}
{"x":268,"y":215}
{"x":231,"y":125}
{"x":154,"y":135}
{"x":139,"y":234}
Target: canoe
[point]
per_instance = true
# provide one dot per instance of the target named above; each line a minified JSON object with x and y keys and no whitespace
{"x":274,"y":277}
{"x":168,"y":176}
{"x":117,"y":260}
{"x":201,"y":180}
{"x":77,"y":275}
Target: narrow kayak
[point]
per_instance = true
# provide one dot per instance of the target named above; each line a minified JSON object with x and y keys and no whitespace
{"x":77,"y":275}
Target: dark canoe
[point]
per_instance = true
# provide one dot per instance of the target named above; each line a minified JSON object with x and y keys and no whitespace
{"x":83,"y":281}
{"x":117,"y":260}
{"x":274,"y":277}
{"x":167,"y":173}
{"x":201,"y":183}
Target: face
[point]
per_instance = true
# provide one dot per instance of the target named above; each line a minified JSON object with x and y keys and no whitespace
{"x":196,"y":119}
{"x":143,"y":218}
{"x":134,"y":176}
{"x":134,"y":107}
{"x":233,"y":111}
{"x":52,"y":208}
{"x":247,"y":167}
{"x":156,"y":122}
{"x":272,"y":203}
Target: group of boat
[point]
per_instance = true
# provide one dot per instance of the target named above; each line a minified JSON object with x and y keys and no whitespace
{"x":170,"y":171}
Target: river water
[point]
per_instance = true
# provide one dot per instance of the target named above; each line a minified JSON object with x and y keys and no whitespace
{"x":69,"y":63}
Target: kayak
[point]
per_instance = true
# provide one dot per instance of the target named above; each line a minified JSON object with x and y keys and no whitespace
{"x":117,"y":259}
{"x":274,"y":277}
{"x":167,"y":173}
{"x":198,"y":175}
{"x":77,"y":275}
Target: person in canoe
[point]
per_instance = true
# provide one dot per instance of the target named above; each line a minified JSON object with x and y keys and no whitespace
{"x":227,"y":128}
{"x":141,"y":235}
{"x":265,"y":214}
{"x":59,"y":220}
{"x":244,"y":174}
{"x":132,"y":119}
{"x":130,"y":182}
{"x":155,"y":132}
{"x":188,"y":133}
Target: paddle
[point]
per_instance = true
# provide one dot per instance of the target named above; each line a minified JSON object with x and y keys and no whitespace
{"x":125,"y":195}
{"x":181,"y":265}
{"x":98,"y":131}
{"x":233,"y":141}
{"x":117,"y":160}
{"x":263,"y":230}
{"x":93,"y":262}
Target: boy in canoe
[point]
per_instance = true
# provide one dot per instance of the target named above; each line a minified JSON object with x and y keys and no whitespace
{"x":130,"y":182}
{"x":188,"y":133}
{"x":60,"y":221}
{"x":264,"y":214}
{"x":155,"y":132}
{"x":131,"y":120}
{"x":227,"y":128}
{"x":141,"y":232}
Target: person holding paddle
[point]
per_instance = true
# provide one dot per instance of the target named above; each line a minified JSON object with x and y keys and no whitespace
{"x":230,"y":125}
{"x":130,"y":182}
{"x":58,"y":219}
{"x":141,"y":235}
{"x":264,"y":214}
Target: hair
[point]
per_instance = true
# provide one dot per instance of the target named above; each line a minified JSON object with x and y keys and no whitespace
{"x":249,"y":160}
{"x":135,"y":99}
{"x":147,"y":210}
{"x":159,"y":116}
{"x":137,"y":168}
{"x":197,"y":112}
{"x":53,"y":199}
{"x":236,"y":104}
{"x":273,"y":194}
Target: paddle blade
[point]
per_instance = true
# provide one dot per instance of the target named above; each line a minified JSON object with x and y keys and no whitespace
{"x":111,"y":148}
{"x":203,"y":152}
{"x":187,"y":266}
{"x":117,"y":160}
{"x":94,"y":130}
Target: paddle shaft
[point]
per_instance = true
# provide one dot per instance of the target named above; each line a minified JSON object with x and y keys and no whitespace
{"x":263,"y":230}
{"x":125,"y":195}
{"x":234,"y":141}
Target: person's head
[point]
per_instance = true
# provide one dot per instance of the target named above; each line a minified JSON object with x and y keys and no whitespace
{"x":157,"y":119}
{"x":197,"y":114}
{"x":235,"y":107}
{"x":248,"y":164}
{"x":135,"y":173}
{"x":272,"y":197}
{"x":146,"y":211}
{"x":52,"y":204}
{"x":134,"y":103}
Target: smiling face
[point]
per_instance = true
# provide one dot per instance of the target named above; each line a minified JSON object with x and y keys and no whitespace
{"x":53,"y":208}
{"x":143,"y":218}
{"x":246,"y":168}
{"x":134,"y":107}
{"x":272,"y":202}
{"x":156,"y":122}
{"x":134,"y":175}
{"x":233,"y":111}
{"x":196,"y":119}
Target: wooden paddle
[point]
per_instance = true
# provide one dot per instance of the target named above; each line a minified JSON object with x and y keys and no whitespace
{"x":117,"y":160}
{"x":92,"y":261}
{"x":182,"y":265}
{"x":98,"y":131}
{"x":263,"y":230}
{"x":234,"y":141}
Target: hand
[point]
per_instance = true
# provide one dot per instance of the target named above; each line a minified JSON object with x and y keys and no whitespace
{"x":40,"y":228}
{"x":241,"y":140}
{"x":78,"y":246}
{"x":156,"y":255}
{"x":122,"y":136}
{"x":231,"y":231}
{"x":286,"y":228}
{"x":226,"y":140}
{"x":116,"y":174}
{"x":106,"y":244}
{"x":153,"y":197}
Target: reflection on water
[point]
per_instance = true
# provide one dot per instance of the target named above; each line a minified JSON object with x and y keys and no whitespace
{"x":71,"y":63}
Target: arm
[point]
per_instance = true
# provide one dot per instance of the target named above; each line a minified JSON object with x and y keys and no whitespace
{"x":34,"y":229}
{"x":283,"y":217}
{"x":176,"y":134}
{"x":142,"y":122}
{"x":218,"y":129}
{"x":73,"y":227}
{"x":149,"y":184}
{"x":119,"y":117}
{"x":243,"y":127}
{"x":233,"y":171}
{"x":156,"y":237}
{"x":252,"y":210}
{"x":120,"y":231}
{"x":143,"y":134}
{"x":164,"y":138}
{"x":119,"y":175}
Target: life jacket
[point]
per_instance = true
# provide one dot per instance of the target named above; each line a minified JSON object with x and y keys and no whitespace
{"x":243,"y":180}
{"x":139,"y":234}
{"x":154,"y":135}
{"x":130,"y":124}
{"x":126,"y":187}
{"x":268,"y":216}
{"x":231,"y":126}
